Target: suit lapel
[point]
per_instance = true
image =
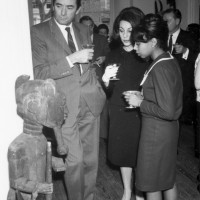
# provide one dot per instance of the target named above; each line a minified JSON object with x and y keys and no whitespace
{"x":179,"y":39}
{"x":57,"y":34}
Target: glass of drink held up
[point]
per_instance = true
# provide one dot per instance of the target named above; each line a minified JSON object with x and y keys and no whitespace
{"x":114,"y":78}
{"x":127,"y":95}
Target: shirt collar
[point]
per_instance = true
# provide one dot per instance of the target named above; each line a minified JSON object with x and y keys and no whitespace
{"x":63,"y":27}
{"x":175,"y":34}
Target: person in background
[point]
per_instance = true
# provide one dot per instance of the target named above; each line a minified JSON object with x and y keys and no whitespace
{"x":58,"y":54}
{"x":197,"y":127}
{"x":194,"y":30}
{"x":124,"y":129}
{"x":103,"y":29}
{"x":101,"y":49}
{"x":197,"y":86}
{"x":160,"y":104}
{"x":182,"y":47}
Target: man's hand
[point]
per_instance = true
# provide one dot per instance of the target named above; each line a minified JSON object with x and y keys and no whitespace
{"x":82,"y":56}
{"x":179,"y":48}
{"x":100,"y":59}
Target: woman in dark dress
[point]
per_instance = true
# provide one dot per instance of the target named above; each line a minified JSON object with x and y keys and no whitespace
{"x":160,"y":106}
{"x":124,"y":130}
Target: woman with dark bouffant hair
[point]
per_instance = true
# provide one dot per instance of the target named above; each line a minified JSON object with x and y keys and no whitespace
{"x":160,"y":104}
{"x":134,"y":17}
{"x":124,"y":130}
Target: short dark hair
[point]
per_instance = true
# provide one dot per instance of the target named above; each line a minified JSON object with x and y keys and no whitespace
{"x":194,"y":30}
{"x":102,"y":26}
{"x":152,"y":26}
{"x":177,"y":13}
{"x":131,"y":14}
{"x":86,"y":18}
{"x":78,"y":2}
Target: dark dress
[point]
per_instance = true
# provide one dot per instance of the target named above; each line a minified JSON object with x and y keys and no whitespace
{"x":160,"y":109}
{"x":124,"y":130}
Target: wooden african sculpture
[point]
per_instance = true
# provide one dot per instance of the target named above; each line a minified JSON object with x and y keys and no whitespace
{"x":39,"y":104}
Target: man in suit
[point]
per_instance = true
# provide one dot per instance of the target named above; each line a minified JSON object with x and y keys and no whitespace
{"x":103,"y":29}
{"x":101,"y":48}
{"x":182,"y":47}
{"x":58,"y":54}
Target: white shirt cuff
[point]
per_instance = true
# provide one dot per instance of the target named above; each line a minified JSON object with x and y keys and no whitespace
{"x":185,"y":55}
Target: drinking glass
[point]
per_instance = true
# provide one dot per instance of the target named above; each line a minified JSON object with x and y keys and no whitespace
{"x":115,"y":78}
{"x":130,"y":92}
{"x":88,"y":46}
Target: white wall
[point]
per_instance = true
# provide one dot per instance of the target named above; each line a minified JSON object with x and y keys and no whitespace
{"x":188,"y":8}
{"x":181,"y":5}
{"x":147,"y":6}
{"x":120,"y":4}
{"x":15,"y":59}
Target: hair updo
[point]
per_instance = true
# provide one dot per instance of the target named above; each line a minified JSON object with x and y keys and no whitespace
{"x":152,"y":26}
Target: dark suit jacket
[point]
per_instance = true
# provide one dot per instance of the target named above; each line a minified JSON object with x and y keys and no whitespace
{"x":101,"y":48}
{"x":186,"y":66}
{"x":49,"y":50}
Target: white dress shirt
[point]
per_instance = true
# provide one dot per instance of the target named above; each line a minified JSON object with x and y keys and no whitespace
{"x":65,"y":34}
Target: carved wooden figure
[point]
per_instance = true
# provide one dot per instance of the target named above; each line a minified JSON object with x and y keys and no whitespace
{"x":39,"y":104}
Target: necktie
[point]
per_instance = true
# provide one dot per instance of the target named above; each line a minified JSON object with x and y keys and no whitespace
{"x":70,"y":40}
{"x":170,"y":43}
{"x":72,"y":45}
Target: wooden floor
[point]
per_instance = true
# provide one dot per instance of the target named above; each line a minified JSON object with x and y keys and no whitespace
{"x":109,"y":185}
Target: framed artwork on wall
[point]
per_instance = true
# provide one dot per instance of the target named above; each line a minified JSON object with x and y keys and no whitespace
{"x":41,"y":10}
{"x":98,"y":10}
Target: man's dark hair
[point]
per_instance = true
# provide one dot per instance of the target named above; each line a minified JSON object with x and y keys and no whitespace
{"x":78,"y":2}
{"x":86,"y":18}
{"x":176,"y":13}
{"x":103,"y":26}
{"x":194,"y":30}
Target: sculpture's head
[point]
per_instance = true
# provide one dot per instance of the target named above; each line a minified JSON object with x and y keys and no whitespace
{"x":40,"y":101}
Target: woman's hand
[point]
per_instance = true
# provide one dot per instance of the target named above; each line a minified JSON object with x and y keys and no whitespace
{"x":134,"y":99}
{"x":110,"y":72}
